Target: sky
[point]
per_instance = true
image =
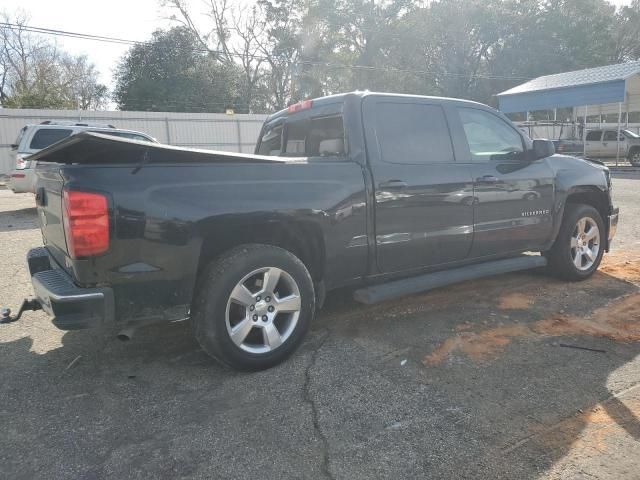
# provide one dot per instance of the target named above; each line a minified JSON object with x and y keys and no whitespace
{"x":128,"y":19}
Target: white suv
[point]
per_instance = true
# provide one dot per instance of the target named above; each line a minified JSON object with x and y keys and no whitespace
{"x":604,"y":143}
{"x":33,"y":138}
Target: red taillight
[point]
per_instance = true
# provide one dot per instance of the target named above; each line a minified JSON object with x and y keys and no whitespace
{"x":86,"y":223}
{"x":303,"y":105}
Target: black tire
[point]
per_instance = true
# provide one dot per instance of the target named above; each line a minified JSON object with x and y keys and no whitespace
{"x":560,"y":257}
{"x":213,"y":292}
{"x":634,"y":157}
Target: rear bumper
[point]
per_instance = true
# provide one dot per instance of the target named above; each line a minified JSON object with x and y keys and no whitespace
{"x":71,"y":307}
{"x":612,"y":226}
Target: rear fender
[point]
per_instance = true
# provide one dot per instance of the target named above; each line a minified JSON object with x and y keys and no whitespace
{"x":302,"y":237}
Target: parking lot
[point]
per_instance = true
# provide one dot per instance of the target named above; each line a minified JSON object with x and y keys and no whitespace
{"x":516,"y":376}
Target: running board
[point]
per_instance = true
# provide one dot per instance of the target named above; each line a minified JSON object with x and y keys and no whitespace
{"x":422,"y":283}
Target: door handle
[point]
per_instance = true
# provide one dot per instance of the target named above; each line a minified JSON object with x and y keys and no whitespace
{"x":397,"y":184}
{"x":487,"y":179}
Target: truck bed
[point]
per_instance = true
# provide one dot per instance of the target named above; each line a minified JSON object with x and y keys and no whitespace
{"x":92,"y":148}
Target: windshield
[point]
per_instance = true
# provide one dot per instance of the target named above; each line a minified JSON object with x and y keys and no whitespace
{"x":630,"y":134}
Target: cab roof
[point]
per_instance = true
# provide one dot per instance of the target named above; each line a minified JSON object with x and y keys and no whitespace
{"x":342,"y":97}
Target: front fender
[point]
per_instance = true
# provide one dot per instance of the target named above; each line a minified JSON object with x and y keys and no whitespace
{"x":574,"y":176}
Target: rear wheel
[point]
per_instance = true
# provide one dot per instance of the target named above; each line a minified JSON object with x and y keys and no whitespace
{"x":579,"y":247}
{"x":253,"y":306}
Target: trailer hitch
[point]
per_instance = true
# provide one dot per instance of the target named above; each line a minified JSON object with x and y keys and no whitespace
{"x":27,"y":304}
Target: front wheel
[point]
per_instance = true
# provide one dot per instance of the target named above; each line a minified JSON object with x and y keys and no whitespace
{"x":253,"y":306}
{"x":579,"y":247}
{"x":634,"y":157}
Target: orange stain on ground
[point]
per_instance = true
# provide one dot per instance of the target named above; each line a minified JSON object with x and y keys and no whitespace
{"x":515,"y":301}
{"x":619,"y":321}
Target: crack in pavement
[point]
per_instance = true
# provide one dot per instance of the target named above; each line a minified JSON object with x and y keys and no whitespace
{"x":308,"y":398}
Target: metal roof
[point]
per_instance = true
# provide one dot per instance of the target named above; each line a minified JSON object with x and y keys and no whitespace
{"x":593,"y":86}
{"x":609,"y":73}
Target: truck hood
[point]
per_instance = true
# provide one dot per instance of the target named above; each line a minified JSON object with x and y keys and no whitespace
{"x":575,"y":162}
{"x":89,"y":147}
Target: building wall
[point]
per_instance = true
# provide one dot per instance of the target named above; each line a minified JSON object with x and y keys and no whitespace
{"x":214,"y":131}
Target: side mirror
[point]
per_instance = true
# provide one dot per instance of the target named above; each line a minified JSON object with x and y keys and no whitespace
{"x":542,"y":149}
{"x":14,"y":146}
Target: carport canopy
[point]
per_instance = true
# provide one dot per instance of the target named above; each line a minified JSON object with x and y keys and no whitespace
{"x":608,"y":87}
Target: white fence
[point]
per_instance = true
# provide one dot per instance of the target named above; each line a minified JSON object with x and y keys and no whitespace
{"x":214,"y":131}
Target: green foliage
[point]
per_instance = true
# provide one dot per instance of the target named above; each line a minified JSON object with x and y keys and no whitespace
{"x":173,"y":72}
{"x":471,"y":48}
{"x":287,"y":50}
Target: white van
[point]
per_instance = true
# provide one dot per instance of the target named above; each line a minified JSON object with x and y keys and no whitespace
{"x":33,"y":138}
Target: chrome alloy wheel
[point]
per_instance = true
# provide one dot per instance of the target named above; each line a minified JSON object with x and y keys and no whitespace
{"x":263,"y":310}
{"x":585,"y":243}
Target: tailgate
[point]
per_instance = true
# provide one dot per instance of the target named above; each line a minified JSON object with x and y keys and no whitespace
{"x":49,"y":206}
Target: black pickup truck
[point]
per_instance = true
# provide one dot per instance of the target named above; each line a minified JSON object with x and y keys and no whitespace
{"x":386,"y":194}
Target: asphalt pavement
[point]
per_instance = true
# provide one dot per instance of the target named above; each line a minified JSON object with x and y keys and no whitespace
{"x":516,"y":376}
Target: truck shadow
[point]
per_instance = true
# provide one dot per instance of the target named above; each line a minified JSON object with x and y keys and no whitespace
{"x":510,"y":355}
{"x":159,"y":406}
{"x":22,"y":219}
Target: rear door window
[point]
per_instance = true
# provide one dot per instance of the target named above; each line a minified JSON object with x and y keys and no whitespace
{"x":412,"y":133}
{"x":594,"y":136}
{"x":48,"y":136}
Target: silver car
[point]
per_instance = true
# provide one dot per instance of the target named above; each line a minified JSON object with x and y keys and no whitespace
{"x":33,"y":138}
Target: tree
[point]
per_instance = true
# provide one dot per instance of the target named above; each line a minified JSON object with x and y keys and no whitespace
{"x":363,"y":33}
{"x":627,"y":33}
{"x":173,"y":72}
{"x":293,"y":49}
{"x":78,"y":77}
{"x":34,"y":73}
{"x":241,"y":48}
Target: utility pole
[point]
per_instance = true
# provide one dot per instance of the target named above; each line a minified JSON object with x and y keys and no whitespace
{"x":584,"y":132}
